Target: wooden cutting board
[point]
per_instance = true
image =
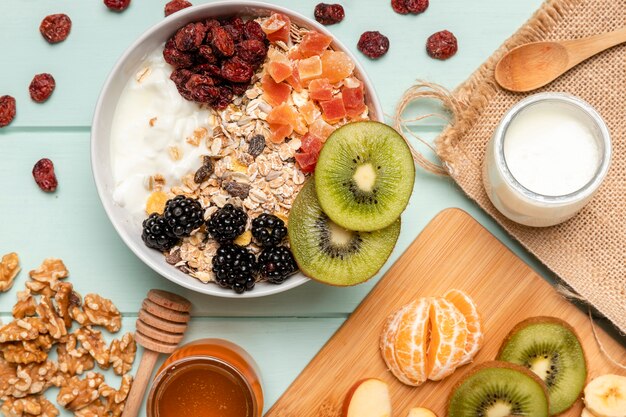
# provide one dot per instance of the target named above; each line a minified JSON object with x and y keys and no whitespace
{"x":453,"y":251}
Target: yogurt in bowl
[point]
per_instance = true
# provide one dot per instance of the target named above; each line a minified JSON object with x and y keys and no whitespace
{"x":151,"y":139}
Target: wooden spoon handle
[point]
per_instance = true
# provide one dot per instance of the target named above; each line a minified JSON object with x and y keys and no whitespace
{"x":135,"y":397}
{"x":581,"y":49}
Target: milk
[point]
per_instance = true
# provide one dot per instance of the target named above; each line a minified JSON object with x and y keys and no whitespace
{"x":550,"y":149}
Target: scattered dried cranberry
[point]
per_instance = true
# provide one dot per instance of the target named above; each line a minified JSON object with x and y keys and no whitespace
{"x":55,"y":28}
{"x":43,"y":172}
{"x":400,"y":6}
{"x":329,"y":14}
{"x":176,"y":6}
{"x":417,"y":6}
{"x":373,"y":44}
{"x":252,"y":31}
{"x":7,"y":110}
{"x":237,"y":70}
{"x":441,"y":45}
{"x":117,"y":5}
{"x":221,"y":41}
{"x":189,"y":37}
{"x":41,"y":87}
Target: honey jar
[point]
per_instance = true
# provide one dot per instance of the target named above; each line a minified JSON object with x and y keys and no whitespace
{"x":207,"y":378}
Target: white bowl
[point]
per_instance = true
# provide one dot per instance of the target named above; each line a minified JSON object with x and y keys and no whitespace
{"x":127,"y":227}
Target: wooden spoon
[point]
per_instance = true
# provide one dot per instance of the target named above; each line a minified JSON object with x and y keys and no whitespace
{"x":534,"y":65}
{"x":161,"y":326}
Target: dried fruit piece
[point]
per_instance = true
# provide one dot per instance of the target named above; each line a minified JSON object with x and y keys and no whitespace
{"x":256,"y":145}
{"x":310,"y":68}
{"x":44,"y":175}
{"x":400,"y":6}
{"x":156,"y":202}
{"x":176,"y":6}
{"x":373,"y":44}
{"x":251,"y":51}
{"x":277,"y":27}
{"x":252,"y":31}
{"x":175,"y":57}
{"x":122,"y":354}
{"x":117,"y":5}
{"x":274,"y":93}
{"x":204,"y":172}
{"x":237,"y":70}
{"x":320,"y":89}
{"x":329,"y":14}
{"x":313,"y":43}
{"x":221,"y":41}
{"x":310,"y":112}
{"x":333,"y":110}
{"x":41,"y":87}
{"x":55,"y":27}
{"x":237,"y":189}
{"x":336,"y":66}
{"x":441,"y":45}
{"x":7,"y":110}
{"x":189,"y":37}
{"x":417,"y":6}
{"x":280,"y":132}
{"x":9,"y":268}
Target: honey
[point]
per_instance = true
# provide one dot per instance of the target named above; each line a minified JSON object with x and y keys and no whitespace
{"x":207,"y":378}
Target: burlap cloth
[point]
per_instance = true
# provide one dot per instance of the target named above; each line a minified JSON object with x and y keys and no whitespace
{"x":588,"y":252}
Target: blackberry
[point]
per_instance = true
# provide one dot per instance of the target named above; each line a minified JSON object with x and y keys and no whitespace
{"x":227,"y":223}
{"x":276,"y":264}
{"x":268,"y":230}
{"x":156,"y":234}
{"x":235,"y":268}
{"x":183,"y":215}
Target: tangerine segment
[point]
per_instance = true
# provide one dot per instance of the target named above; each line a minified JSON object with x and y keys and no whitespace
{"x":447,"y":339}
{"x":388,"y":344}
{"x":475,"y":335}
{"x":411,"y":342}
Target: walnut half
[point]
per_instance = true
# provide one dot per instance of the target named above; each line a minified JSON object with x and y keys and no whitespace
{"x":9,"y":268}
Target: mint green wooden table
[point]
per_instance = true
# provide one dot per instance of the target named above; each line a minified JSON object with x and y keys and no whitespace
{"x":283,"y":332}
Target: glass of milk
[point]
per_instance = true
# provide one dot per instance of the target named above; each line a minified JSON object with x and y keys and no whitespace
{"x":546,"y":159}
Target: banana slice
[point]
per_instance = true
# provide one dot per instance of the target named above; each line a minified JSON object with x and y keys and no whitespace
{"x":605,"y":396}
{"x":586,"y":413}
{"x":421,"y":412}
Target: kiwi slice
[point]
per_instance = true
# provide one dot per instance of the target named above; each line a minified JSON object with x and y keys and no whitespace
{"x":329,"y":253}
{"x":551,"y":349}
{"x":364,"y":176}
{"x":498,"y":389}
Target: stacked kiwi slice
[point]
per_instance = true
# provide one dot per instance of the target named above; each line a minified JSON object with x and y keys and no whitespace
{"x":540,"y":371}
{"x":345,"y":221}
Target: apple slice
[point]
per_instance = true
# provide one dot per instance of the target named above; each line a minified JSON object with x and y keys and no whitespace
{"x":368,"y":398}
{"x":421,"y":412}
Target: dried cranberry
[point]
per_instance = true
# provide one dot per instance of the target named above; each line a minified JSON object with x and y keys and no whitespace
{"x":234,"y":27}
{"x":221,"y":41}
{"x":7,"y":110}
{"x":239,"y":89}
{"x":189,"y":37}
{"x":180,"y":76}
{"x":202,"y":88}
{"x":207,"y":69}
{"x":253,"y":31}
{"x":237,"y":70}
{"x":441,"y":45}
{"x":251,"y":51}
{"x":175,"y":57}
{"x":205,"y":53}
{"x":41,"y":87}
{"x":176,"y":6}
{"x":43,"y":172}
{"x":55,"y":28}
{"x":329,"y":14}
{"x":417,"y":6}
{"x":373,"y":44}
{"x":117,"y":5}
{"x":224,"y":99}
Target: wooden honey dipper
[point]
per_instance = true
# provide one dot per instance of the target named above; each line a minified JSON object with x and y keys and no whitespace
{"x":160,"y":326}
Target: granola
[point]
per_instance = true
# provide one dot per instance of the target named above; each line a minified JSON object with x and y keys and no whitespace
{"x":9,"y":268}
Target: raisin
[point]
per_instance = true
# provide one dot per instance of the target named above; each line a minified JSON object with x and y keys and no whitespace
{"x":373,"y":44}
{"x":175,"y":57}
{"x":205,"y":52}
{"x":400,"y":6}
{"x":7,"y":110}
{"x":252,"y":31}
{"x":117,"y":5}
{"x":329,"y":14}
{"x":41,"y":87}
{"x":55,"y":28}
{"x":239,"y":89}
{"x":43,"y":172}
{"x":417,"y":6}
{"x":237,"y":70}
{"x":237,"y":189}
{"x":204,"y":172}
{"x":189,"y":37}
{"x":176,"y":6}
{"x":256,"y":145}
{"x":251,"y":51}
{"x":234,"y":27}
{"x":202,"y":88}
{"x":441,"y":45}
{"x":221,"y":41}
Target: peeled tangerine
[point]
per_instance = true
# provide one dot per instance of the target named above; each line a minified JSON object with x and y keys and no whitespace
{"x":431,"y":337}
